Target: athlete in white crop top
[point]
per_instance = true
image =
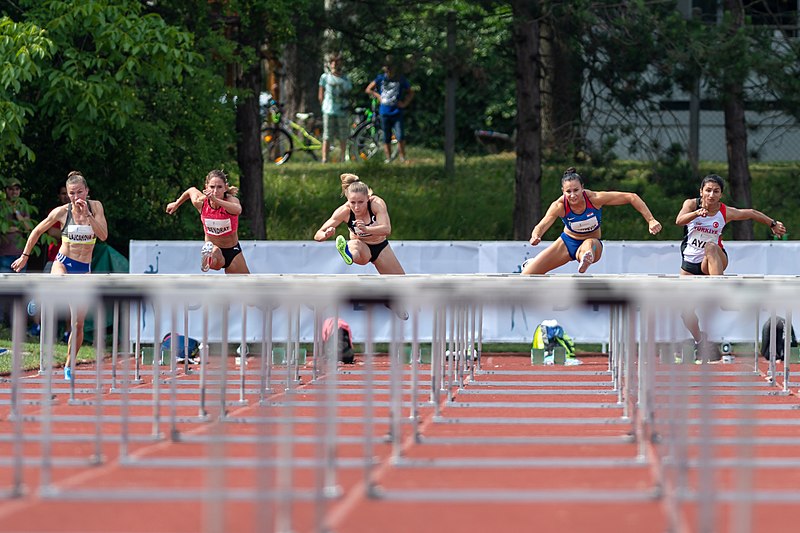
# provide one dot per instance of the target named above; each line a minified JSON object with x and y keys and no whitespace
{"x":702,"y":252}
{"x":84,"y":222}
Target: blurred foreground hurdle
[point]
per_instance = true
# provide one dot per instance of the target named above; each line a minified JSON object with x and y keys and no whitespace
{"x":282,"y":444}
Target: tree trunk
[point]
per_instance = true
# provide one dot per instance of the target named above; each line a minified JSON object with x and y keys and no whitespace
{"x":251,"y":163}
{"x":738,"y":169}
{"x":528,"y":179}
{"x":302,"y":64}
{"x":561,"y":88}
{"x":736,"y":140}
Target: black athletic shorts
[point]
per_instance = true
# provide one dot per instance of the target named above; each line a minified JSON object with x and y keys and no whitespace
{"x":376,"y":249}
{"x":230,"y":254}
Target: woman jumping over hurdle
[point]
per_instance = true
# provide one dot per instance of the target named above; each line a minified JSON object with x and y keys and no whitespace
{"x":580,"y":210}
{"x":367,"y":219}
{"x":219,"y":212}
{"x":702,"y":252}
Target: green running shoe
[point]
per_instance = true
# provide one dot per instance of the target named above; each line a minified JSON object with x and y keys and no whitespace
{"x":341,"y":245}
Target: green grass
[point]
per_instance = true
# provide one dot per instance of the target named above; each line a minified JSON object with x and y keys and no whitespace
{"x":30,"y":356}
{"x":423,"y":203}
{"x":477,"y":202}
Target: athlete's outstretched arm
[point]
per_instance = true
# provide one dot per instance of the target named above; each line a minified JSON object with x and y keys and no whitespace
{"x":776,"y":226}
{"x":555,"y":211}
{"x":54,"y":216}
{"x":328,"y":228}
{"x":192,"y":193}
{"x":599,"y":199}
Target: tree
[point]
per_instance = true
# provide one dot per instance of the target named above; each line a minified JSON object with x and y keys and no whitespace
{"x":735,"y":127}
{"x":110,"y":100}
{"x":562,"y":79}
{"x":24,"y":49}
{"x":254,"y":27}
{"x":302,"y":60}
{"x":528,"y":180}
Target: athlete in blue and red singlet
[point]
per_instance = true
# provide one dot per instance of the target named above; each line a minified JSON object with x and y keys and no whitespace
{"x":580,"y":210}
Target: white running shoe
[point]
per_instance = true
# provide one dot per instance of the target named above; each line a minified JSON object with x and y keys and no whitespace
{"x":205,"y":255}
{"x":586,"y":260}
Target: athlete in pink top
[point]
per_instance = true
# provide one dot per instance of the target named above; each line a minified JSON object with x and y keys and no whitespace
{"x":219,"y":212}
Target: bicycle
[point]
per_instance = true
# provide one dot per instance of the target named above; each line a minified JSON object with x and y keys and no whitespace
{"x":367,"y":137}
{"x":281,"y":137}
{"x":495,"y":141}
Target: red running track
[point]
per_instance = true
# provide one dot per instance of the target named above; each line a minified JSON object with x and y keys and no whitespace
{"x":517,"y":449}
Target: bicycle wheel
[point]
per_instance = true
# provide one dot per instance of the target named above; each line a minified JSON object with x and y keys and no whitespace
{"x":276,"y":145}
{"x":366,"y":141}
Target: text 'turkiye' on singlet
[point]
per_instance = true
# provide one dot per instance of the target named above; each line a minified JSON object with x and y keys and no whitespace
{"x":77,"y":233}
{"x":703,"y":230}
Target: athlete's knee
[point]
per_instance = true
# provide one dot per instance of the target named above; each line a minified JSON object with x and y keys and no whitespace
{"x":689,"y":316}
{"x":360,"y":257}
{"x":713,"y":250}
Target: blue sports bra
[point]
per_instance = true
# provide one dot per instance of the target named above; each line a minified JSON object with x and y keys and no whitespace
{"x":585,"y":222}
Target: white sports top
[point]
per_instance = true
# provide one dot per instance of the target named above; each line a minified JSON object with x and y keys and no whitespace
{"x":700,"y":231}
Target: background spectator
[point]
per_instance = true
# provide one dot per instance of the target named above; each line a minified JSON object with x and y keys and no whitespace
{"x":334,"y":86}
{"x":395,"y":94}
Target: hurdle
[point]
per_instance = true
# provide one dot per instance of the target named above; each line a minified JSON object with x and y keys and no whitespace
{"x":312,"y":435}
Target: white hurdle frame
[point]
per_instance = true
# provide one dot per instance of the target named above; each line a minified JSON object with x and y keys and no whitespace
{"x":272,"y":398}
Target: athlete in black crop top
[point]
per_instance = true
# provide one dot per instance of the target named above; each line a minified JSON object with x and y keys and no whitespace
{"x":367,"y":218}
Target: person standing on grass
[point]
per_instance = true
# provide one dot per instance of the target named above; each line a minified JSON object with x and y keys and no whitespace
{"x":82,"y":221}
{"x":581,"y":211}
{"x":395,"y":94}
{"x":18,"y":220}
{"x":334,"y":86}
{"x":702,"y":251}
{"x":17,"y":217}
{"x":219,"y":212}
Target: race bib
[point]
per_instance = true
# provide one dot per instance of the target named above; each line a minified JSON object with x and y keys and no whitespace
{"x":700,"y":238}
{"x":218,"y":226}
{"x":80,"y":233}
{"x":585,"y":226}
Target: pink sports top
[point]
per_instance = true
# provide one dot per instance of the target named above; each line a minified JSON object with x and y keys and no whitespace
{"x":217,"y":222}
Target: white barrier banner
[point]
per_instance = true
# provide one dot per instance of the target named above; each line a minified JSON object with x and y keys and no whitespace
{"x":511,"y":324}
